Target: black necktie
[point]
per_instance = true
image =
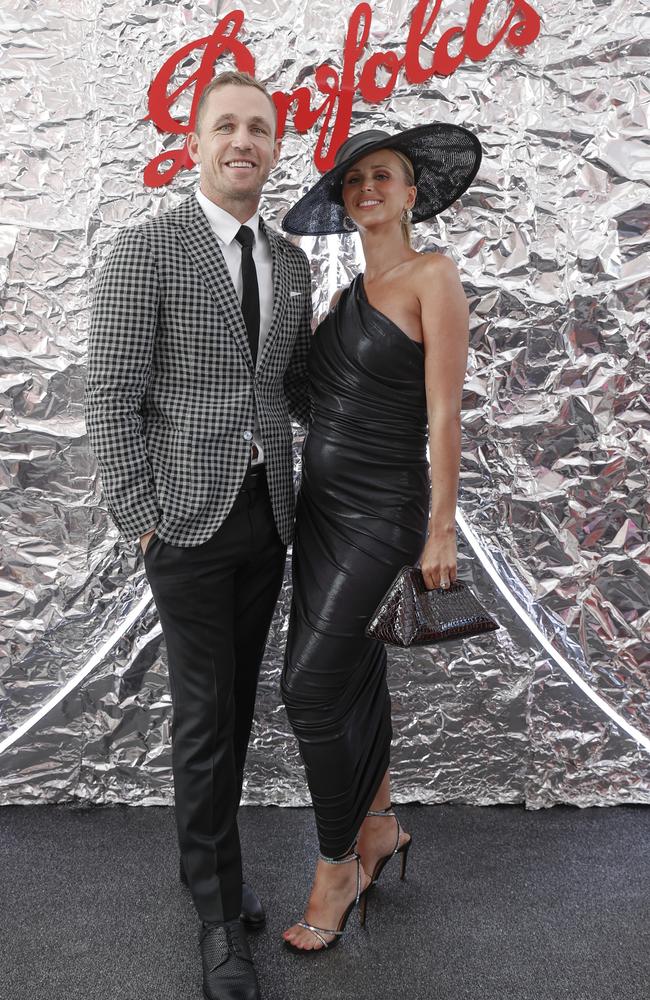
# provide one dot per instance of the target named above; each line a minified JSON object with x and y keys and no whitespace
{"x":250,"y":303}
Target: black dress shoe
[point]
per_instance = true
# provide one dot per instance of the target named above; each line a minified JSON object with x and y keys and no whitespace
{"x":252,"y":911}
{"x":228,"y":971}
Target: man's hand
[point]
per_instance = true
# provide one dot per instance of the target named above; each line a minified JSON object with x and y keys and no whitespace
{"x":145,"y":539}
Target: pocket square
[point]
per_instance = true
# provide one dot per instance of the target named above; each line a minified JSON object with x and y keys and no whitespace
{"x":293,"y":293}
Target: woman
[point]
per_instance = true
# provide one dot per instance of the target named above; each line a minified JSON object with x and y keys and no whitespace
{"x":387,"y":362}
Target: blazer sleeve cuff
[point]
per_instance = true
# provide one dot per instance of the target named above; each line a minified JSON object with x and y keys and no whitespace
{"x":134,"y":524}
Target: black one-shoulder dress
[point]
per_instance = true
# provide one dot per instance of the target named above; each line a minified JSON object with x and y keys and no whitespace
{"x":361,"y":515}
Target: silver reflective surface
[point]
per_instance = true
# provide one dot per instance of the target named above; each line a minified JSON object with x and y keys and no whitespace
{"x":552,"y":244}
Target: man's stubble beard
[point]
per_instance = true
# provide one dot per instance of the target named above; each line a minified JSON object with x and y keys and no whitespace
{"x":246,"y":196}
{"x":237,"y":194}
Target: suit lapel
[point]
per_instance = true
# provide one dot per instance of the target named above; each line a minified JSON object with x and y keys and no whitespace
{"x":280,"y":294}
{"x":203,"y":250}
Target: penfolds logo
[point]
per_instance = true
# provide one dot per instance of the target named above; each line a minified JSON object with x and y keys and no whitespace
{"x":371,"y":78}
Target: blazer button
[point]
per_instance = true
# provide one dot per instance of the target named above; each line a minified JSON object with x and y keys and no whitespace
{"x":247,"y":435}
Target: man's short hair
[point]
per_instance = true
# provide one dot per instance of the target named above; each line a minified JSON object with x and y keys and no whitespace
{"x":226,"y":79}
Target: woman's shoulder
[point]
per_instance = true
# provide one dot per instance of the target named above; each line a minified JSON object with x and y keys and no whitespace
{"x":434,"y":274}
{"x":342,"y":291}
{"x":433,"y":263}
{"x":334,"y":302}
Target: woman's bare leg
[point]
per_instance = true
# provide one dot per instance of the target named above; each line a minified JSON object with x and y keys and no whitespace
{"x":378,"y":834}
{"x":334,"y":886}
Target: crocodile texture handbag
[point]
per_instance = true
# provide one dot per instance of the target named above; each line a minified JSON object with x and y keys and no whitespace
{"x":411,"y":615}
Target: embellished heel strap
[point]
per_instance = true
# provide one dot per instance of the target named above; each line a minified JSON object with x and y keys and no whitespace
{"x":353,"y":856}
{"x":343,"y":860}
{"x":388,"y":811}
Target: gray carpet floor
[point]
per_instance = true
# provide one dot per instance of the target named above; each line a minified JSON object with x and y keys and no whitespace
{"x":499,"y":904}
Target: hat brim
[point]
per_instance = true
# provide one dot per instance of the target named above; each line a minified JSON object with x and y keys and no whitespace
{"x":445,"y":159}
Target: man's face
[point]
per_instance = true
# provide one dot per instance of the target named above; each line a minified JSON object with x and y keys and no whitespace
{"x":235,"y":145}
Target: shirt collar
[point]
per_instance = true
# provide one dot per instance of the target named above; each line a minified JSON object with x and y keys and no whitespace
{"x":225,"y":225}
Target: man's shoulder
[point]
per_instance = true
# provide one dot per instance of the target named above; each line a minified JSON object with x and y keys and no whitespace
{"x":285,"y":246}
{"x":162,"y":225}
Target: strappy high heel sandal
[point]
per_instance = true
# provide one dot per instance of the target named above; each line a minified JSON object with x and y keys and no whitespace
{"x":402,"y":849}
{"x":361,"y":900}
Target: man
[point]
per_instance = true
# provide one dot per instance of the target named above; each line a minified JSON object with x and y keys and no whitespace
{"x":198,"y":346}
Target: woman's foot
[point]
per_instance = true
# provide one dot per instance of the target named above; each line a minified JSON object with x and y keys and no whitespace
{"x":378,"y":839}
{"x":334,"y":889}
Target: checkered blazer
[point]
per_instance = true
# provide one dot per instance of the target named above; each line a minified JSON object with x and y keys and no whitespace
{"x":171,"y":386}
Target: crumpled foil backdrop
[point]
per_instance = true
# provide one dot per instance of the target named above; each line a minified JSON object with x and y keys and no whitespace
{"x":553,"y":248}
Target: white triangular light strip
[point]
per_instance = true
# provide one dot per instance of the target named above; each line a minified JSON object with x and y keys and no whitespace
{"x":485,"y":560}
{"x":81,"y":674}
{"x":490,"y":568}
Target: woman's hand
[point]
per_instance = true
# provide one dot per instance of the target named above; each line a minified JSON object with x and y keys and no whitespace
{"x":438,"y":560}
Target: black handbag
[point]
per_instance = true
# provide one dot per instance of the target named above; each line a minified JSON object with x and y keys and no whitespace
{"x":411,"y":615}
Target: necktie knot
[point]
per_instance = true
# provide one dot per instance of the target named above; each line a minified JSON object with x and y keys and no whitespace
{"x":245,"y":236}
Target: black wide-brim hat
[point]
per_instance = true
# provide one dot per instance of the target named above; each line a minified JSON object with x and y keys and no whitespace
{"x":445,"y":161}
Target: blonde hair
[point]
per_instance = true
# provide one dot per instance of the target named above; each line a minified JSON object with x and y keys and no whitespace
{"x":409,"y":177}
{"x":226,"y":79}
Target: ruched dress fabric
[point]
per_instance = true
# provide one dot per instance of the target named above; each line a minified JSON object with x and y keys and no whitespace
{"x":361,"y":516}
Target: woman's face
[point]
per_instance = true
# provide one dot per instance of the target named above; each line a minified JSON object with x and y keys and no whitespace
{"x":375,"y":190}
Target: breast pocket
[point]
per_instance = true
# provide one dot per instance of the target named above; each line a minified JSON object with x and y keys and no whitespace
{"x":296,"y":307}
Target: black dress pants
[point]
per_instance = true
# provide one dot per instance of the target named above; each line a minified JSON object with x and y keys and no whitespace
{"x":215,"y":602}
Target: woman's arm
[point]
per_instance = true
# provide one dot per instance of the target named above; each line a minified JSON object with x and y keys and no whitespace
{"x":337,"y":295}
{"x":445,"y":327}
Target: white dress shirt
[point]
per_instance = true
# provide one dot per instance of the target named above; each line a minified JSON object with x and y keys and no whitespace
{"x":225,"y":227}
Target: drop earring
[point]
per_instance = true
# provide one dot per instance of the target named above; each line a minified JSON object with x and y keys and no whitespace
{"x":407,"y":216}
{"x":348,"y":224}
